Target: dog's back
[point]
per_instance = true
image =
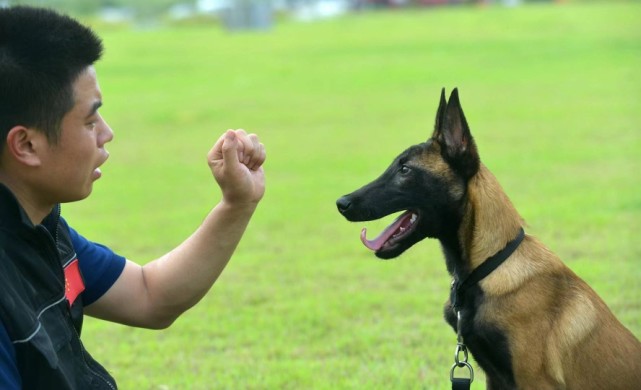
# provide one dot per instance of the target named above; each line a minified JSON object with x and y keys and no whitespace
{"x":560,"y":333}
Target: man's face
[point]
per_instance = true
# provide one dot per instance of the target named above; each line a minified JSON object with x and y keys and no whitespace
{"x":71,"y":165}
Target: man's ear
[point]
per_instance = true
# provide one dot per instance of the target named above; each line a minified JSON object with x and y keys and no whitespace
{"x":454,"y":134}
{"x":24,"y":145}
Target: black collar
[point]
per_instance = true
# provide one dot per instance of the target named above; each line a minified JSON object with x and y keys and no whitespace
{"x":460,"y":286}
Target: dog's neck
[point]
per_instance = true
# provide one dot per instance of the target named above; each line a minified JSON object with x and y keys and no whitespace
{"x":488,"y":223}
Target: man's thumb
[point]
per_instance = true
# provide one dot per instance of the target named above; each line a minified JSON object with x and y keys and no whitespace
{"x":230,"y":148}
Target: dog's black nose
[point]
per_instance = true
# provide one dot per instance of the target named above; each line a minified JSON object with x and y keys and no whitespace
{"x":343,"y":204}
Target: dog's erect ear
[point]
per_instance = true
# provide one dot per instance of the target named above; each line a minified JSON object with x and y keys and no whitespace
{"x":454,"y":135}
{"x":440,"y":115}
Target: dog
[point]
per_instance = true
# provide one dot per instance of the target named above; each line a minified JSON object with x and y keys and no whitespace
{"x":528,"y":320}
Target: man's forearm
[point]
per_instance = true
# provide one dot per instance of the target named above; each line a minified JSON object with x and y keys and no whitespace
{"x":179,"y":279}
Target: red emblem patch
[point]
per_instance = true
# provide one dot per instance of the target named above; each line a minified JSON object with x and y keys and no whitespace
{"x":74,"y":284}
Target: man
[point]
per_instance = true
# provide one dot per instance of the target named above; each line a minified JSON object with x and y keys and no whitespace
{"x":52,"y":144}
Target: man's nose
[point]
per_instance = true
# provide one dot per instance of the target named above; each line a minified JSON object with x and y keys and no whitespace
{"x":106,"y":134}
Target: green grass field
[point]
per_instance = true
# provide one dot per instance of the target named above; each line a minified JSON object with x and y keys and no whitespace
{"x":552,"y":94}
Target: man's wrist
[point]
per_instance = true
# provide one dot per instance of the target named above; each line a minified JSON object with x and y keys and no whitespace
{"x":238,"y":206}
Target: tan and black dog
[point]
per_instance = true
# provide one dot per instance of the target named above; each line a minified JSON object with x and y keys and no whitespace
{"x":527,"y":319}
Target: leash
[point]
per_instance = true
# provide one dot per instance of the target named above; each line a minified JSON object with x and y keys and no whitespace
{"x":459,"y":288}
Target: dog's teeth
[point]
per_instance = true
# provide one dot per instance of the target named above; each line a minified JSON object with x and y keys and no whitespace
{"x":413,"y":219}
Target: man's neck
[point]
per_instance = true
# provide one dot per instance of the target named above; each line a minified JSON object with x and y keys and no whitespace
{"x":35,"y":210}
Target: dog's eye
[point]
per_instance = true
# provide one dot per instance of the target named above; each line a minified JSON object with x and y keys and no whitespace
{"x":404,"y":170}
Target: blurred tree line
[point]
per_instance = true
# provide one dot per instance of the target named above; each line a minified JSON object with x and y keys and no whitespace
{"x":150,"y":9}
{"x":88,"y":7}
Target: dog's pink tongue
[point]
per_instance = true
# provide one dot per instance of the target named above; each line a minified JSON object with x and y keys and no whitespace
{"x":377,"y":243}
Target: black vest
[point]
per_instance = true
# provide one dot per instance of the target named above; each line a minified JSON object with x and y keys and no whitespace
{"x":34,"y":309}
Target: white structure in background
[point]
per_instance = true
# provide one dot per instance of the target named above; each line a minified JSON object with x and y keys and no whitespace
{"x":303,"y":10}
{"x":116,"y":15}
{"x":320,"y":9}
{"x":212,"y":6}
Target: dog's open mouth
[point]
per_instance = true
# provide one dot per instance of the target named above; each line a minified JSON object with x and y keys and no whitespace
{"x":400,"y":229}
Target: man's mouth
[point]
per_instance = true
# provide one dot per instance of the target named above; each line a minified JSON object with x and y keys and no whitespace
{"x":389,"y":238}
{"x":97,"y":173}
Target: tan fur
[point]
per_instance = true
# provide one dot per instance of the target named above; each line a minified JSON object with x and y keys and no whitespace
{"x":440,"y":168}
{"x":560,"y":333}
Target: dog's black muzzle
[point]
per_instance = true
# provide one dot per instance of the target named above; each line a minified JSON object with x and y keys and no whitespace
{"x":368,"y":203}
{"x":357,"y":208}
{"x":344,"y":203}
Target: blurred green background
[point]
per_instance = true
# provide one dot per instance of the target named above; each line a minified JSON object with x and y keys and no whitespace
{"x":552,"y":93}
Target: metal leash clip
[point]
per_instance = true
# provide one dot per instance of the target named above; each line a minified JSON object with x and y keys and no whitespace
{"x":460,"y":383}
{"x":458,"y":363}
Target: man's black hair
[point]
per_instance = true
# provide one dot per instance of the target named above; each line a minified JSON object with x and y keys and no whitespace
{"x":42,"y":53}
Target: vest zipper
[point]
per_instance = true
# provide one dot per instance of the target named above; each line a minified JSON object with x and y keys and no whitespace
{"x":53,"y":253}
{"x":84,"y":358}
